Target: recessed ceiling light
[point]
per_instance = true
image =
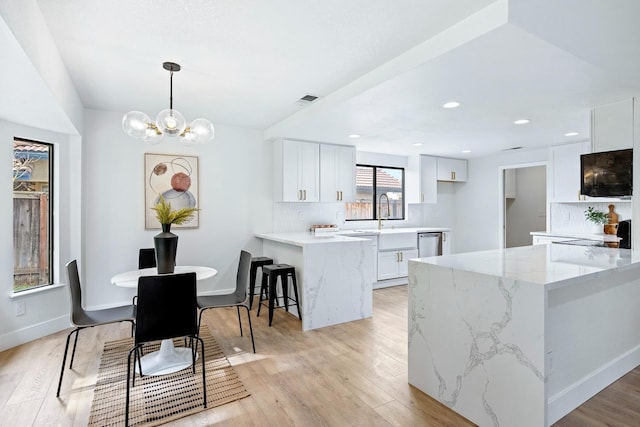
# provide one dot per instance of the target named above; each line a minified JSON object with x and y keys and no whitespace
{"x":466,"y":151}
{"x":354,"y":136}
{"x":451,"y":104}
{"x":417,"y":144}
{"x":571,"y":134}
{"x":521,"y":121}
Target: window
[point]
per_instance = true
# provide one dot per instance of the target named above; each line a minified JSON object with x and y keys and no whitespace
{"x":32,"y":214}
{"x":379,"y":192}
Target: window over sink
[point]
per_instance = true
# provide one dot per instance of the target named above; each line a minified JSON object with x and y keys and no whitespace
{"x":379,"y":193}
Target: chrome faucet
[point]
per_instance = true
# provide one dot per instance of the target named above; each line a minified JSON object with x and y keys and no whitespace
{"x":380,"y":207}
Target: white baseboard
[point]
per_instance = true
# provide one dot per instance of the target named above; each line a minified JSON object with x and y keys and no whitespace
{"x":390,"y":282}
{"x":575,"y":395}
{"x":33,"y":332}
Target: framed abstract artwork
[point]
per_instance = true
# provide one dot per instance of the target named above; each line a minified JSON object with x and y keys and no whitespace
{"x":174,"y":177}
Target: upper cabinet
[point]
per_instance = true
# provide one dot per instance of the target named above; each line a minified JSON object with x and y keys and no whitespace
{"x":337,"y":173}
{"x":452,"y":169}
{"x":421,"y":185}
{"x":296,"y":171}
{"x":423,"y":173}
{"x":428,"y":179}
{"x":612,"y":126}
{"x":563,"y":175}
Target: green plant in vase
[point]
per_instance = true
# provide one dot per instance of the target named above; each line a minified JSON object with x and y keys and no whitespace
{"x":166,"y":243}
{"x":167,"y":216}
{"x":598,"y":218}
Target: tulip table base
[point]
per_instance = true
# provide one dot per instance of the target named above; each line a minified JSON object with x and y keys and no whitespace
{"x":167,"y":360}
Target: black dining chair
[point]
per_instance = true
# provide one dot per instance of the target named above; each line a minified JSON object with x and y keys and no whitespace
{"x":237,"y":299}
{"x":166,"y":309}
{"x":82,"y":318}
{"x":146,"y":258}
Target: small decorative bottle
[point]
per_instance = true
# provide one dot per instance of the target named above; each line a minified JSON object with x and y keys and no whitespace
{"x":612,"y":226}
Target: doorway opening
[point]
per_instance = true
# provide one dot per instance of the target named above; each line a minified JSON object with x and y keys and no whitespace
{"x":523,"y":203}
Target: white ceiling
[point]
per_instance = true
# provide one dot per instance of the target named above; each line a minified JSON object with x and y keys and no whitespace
{"x":381,"y":68}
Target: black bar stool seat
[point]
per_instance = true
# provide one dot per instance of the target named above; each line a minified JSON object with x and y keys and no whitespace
{"x":270,"y":274}
{"x":259,"y":261}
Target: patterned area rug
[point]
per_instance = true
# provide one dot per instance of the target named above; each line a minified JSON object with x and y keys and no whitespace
{"x":157,"y":400}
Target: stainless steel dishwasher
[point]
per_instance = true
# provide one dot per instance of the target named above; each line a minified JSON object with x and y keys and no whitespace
{"x":429,"y":244}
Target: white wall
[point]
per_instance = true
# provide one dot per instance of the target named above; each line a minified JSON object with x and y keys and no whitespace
{"x":527,"y":211}
{"x":234,"y":195}
{"x":46,"y":311}
{"x":477,"y":200}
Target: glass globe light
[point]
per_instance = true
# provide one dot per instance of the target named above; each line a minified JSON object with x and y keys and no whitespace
{"x":135,"y":123}
{"x":153,"y":135}
{"x":171,"y":122}
{"x":202,"y":129}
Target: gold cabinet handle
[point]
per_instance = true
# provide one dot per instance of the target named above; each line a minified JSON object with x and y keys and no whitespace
{"x":299,"y":194}
{"x":337,"y":195}
{"x":444,"y":237}
{"x":340,"y":195}
{"x":401,"y":257}
{"x":305,"y":194}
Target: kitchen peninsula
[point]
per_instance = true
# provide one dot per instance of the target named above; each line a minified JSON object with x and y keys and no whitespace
{"x":523,"y":336}
{"x":334,"y":275}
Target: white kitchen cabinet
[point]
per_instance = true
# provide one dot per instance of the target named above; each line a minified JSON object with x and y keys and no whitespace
{"x":428,"y":179}
{"x":337,"y":173}
{"x":296,"y":171}
{"x":612,"y":126}
{"x":446,"y":243}
{"x":394,"y":264}
{"x":563,"y":175}
{"x":454,"y":170}
{"x":421,"y":182}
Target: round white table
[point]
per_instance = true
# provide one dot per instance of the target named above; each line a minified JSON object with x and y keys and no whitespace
{"x":168,"y":359}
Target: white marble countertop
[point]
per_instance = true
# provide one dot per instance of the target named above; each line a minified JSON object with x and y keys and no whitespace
{"x":600,"y":237}
{"x":540,"y":264}
{"x":308,"y":238}
{"x":389,"y":230}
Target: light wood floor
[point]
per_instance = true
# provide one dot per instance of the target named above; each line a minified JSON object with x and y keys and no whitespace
{"x":353,"y":374}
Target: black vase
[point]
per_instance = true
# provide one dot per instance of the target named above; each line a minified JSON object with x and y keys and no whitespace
{"x":166,"y":244}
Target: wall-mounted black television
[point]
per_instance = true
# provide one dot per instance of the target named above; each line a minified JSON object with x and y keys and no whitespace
{"x":607,"y":174}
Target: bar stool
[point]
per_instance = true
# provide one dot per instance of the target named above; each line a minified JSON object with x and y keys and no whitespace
{"x":259,"y":261}
{"x":270,"y":274}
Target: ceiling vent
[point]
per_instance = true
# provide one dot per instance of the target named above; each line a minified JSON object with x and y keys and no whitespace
{"x":306,"y":100}
{"x":512,"y":148}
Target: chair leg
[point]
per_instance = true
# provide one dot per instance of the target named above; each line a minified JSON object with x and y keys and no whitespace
{"x":284,"y":279}
{"x":204,"y":377}
{"x":73,"y":353}
{"x":239,"y":320}
{"x":263,"y":290}
{"x":252,"y":284}
{"x":133,"y":327}
{"x":273,"y":281}
{"x":250,"y":327}
{"x":200,"y":319}
{"x":126,"y":411}
{"x":295,"y":291}
{"x":64,"y":360}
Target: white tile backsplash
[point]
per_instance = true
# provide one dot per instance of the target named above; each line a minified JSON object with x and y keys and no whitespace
{"x":296,"y":217}
{"x":569,"y":217}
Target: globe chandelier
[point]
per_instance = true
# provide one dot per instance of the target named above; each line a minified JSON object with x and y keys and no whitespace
{"x":168,"y":122}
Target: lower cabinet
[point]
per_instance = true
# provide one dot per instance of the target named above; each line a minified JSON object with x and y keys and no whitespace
{"x":394,"y":264}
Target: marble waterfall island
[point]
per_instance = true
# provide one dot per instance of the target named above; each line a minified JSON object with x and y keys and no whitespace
{"x":333,"y":272}
{"x":522,"y":336}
